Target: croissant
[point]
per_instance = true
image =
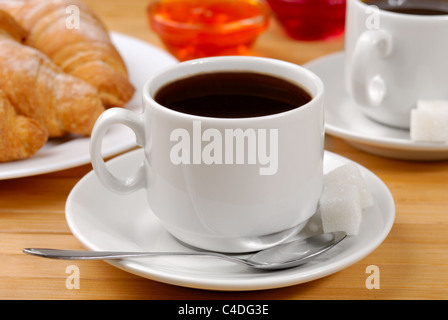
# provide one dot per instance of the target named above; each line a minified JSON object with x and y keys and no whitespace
{"x":40,"y":90}
{"x":20,"y":136}
{"x":83,"y":50}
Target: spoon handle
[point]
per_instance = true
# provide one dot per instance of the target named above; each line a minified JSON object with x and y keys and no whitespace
{"x":101,"y":255}
{"x":109,"y":255}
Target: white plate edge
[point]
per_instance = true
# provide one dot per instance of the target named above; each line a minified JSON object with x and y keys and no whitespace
{"x":111,"y":151}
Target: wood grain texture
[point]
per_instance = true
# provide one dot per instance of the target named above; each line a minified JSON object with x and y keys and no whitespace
{"x":413,"y":260}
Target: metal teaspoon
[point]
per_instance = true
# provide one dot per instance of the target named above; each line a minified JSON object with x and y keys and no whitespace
{"x":282,"y":256}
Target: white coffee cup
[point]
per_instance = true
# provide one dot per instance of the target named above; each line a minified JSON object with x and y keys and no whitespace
{"x":393,"y":60}
{"x":226,"y":207}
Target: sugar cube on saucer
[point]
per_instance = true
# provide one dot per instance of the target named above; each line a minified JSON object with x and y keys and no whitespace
{"x":341,"y":211}
{"x":433,"y":105}
{"x":429,"y":121}
{"x":344,"y":176}
{"x":344,"y":196}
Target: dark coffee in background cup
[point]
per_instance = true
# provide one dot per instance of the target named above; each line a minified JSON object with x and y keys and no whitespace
{"x":232,"y":95}
{"x":418,"y":7}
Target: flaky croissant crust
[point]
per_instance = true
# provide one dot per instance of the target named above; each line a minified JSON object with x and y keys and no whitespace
{"x":85,"y":52}
{"x":37,"y":98}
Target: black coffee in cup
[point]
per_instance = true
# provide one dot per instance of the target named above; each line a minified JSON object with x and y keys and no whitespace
{"x":416,"y":7}
{"x":232,"y":95}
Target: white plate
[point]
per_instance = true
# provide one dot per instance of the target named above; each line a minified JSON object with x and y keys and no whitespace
{"x":102,"y":220}
{"x":142,"y":60}
{"x":344,"y":119}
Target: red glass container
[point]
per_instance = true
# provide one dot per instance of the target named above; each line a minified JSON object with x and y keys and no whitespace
{"x":200,"y":28}
{"x":310,"y":19}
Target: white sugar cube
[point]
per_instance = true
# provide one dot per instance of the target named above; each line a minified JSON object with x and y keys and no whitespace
{"x":344,"y":196}
{"x":341,"y":210}
{"x":429,"y":122}
{"x":429,"y":126}
{"x":433,"y":105}
{"x":345,"y":176}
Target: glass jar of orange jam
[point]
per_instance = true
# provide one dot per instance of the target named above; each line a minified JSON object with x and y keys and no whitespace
{"x":200,"y":28}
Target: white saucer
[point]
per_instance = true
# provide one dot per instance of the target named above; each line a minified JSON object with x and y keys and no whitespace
{"x":142,"y":60}
{"x":102,"y":220}
{"x":343,"y":119}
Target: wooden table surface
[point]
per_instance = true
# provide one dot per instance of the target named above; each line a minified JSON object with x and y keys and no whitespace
{"x":413,"y":260}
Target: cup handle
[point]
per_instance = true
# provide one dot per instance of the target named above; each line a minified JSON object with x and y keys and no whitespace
{"x":371,"y":46}
{"x":135,"y":122}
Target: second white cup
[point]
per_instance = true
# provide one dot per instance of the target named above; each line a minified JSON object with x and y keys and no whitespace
{"x":394,"y":59}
